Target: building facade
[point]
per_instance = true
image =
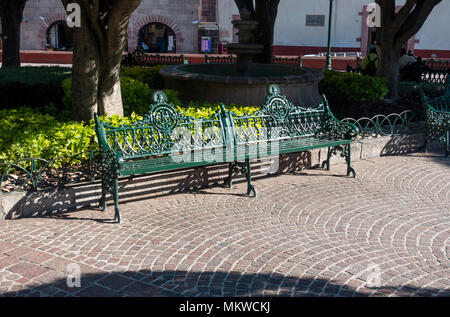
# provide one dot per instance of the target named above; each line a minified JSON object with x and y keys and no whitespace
{"x":166,"y":25}
{"x":302,"y":27}
{"x":193,"y":26}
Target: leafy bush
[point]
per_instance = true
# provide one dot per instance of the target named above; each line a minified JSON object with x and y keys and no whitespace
{"x":146,"y":75}
{"x":136,"y":96}
{"x":347,"y":88}
{"x":205,"y":110}
{"x":28,"y":133}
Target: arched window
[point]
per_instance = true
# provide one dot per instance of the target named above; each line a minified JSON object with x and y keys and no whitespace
{"x":60,"y":36}
{"x":157,"y":38}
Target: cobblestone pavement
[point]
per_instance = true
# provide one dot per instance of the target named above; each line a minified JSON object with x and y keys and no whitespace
{"x":385,"y":233}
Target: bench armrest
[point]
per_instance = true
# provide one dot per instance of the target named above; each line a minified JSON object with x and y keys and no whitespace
{"x":336,"y":129}
{"x":108,"y":155}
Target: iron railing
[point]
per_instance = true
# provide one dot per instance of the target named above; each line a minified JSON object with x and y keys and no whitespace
{"x":33,"y":173}
{"x":385,"y":125}
{"x":232,"y":59}
{"x":141,"y":59}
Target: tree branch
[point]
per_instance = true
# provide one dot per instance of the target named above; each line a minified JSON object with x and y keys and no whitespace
{"x":415,"y":21}
{"x":403,"y":14}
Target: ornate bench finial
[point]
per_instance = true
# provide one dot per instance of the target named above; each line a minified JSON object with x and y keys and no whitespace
{"x":274,"y":90}
{"x":159,"y":97}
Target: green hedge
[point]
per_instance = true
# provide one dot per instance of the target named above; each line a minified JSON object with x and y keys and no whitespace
{"x":347,"y":88}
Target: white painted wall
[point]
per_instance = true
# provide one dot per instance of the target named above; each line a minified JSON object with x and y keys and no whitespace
{"x":435,"y":33}
{"x":291,"y":29}
{"x":225,"y":11}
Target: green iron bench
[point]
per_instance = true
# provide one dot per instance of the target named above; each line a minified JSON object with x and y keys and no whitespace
{"x":160,"y":142}
{"x":437,"y":117}
{"x":166,"y":140}
{"x":282,"y":128}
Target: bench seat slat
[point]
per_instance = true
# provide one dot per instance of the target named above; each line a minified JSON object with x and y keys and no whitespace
{"x":264,"y":149}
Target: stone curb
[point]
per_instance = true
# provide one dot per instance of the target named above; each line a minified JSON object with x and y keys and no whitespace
{"x":31,"y":204}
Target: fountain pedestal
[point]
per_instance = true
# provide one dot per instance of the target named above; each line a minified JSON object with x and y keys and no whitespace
{"x":246,"y":49}
{"x":244,"y":83}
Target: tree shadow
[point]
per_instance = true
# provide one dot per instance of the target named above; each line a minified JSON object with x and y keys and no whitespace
{"x":147,"y":283}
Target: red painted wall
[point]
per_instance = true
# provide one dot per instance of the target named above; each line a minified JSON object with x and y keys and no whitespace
{"x":45,"y":57}
{"x":305,"y":50}
{"x":51,"y":57}
{"x":427,"y":53}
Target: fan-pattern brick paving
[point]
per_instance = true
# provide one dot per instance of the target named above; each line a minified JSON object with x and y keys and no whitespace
{"x":312,"y":233}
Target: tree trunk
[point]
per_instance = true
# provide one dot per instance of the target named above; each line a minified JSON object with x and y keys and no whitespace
{"x":11,"y":14}
{"x":97,"y":55}
{"x":110,"y":94}
{"x":266,"y":15}
{"x":389,"y":66}
{"x":85,"y":73}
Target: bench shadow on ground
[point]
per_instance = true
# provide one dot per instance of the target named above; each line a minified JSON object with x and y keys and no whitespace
{"x":65,"y":203}
{"x":147,"y":283}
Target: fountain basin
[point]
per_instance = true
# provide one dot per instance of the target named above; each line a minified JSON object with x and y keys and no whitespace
{"x":216,"y":83}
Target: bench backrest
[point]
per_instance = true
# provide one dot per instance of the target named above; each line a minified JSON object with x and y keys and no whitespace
{"x":439,"y":104}
{"x":278,"y":119}
{"x":163,"y":130}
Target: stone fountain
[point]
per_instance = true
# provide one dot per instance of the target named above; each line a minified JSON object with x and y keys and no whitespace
{"x":246,"y":49}
{"x":244,"y":83}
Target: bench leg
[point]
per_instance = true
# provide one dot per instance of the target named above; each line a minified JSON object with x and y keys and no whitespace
{"x":229,"y":179}
{"x":102,"y":202}
{"x":248,"y":174}
{"x":327,"y":161}
{"x":427,"y":138}
{"x":348,"y":158}
{"x":117,"y":215}
{"x":447,"y":145}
